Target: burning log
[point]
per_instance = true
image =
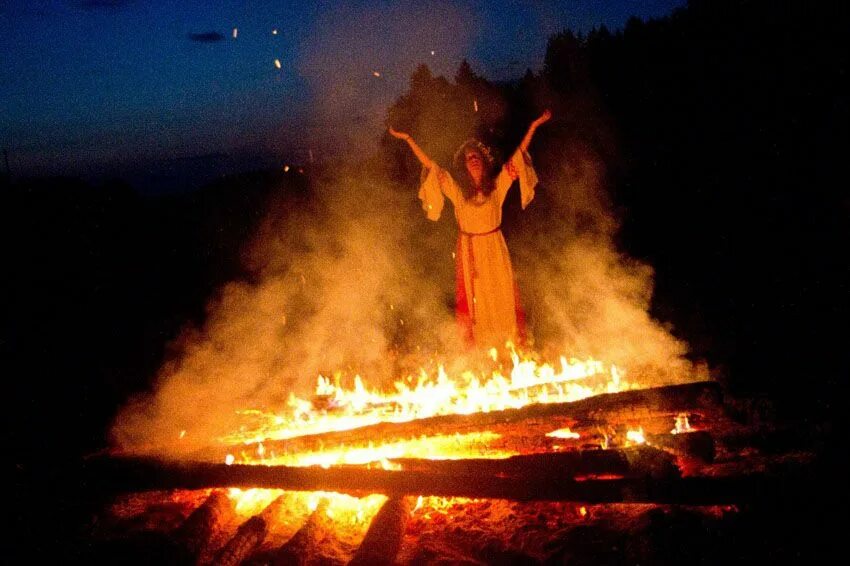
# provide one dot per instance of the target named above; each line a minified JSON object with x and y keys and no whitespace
{"x":383,"y":539}
{"x":140,"y":475}
{"x":199,"y":531}
{"x":297,"y":550}
{"x":634,"y":405}
{"x":247,"y":539}
{"x":628,"y":462}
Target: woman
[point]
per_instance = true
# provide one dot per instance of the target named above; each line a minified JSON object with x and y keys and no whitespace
{"x":487,"y":300}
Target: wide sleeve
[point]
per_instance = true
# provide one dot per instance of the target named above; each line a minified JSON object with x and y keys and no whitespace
{"x":518,"y":167}
{"x":435,"y":183}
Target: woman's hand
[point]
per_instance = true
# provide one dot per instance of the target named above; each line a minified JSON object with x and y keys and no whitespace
{"x":417,"y":151}
{"x":400,"y":135}
{"x":526,"y":141}
{"x":545,"y":117}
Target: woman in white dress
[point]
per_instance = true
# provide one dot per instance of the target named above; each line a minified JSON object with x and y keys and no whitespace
{"x":487,"y":304}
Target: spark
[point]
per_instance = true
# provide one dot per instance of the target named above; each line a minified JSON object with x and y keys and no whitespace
{"x":432,"y":53}
{"x":286,"y":168}
{"x":376,"y":73}
{"x":274,"y":32}
{"x":475,"y":104}
{"x":235,"y":33}
{"x":277,"y":63}
{"x":229,"y":459}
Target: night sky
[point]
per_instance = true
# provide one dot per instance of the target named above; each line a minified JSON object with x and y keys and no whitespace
{"x":100,"y":85}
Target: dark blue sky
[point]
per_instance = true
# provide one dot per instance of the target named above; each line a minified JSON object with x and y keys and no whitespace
{"x":91,"y":84}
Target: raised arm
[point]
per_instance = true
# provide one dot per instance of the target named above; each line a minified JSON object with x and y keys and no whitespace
{"x":526,"y":141}
{"x":417,"y":151}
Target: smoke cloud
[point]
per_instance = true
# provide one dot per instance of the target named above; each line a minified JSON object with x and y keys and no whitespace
{"x":343,"y":283}
{"x":585,"y":297}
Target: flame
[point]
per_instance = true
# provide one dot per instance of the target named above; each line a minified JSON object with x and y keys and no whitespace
{"x":681,"y":424}
{"x":248,"y":502}
{"x":428,"y":507}
{"x":448,"y":447}
{"x":340,"y":406}
{"x":337,"y":408}
{"x":563,"y":433}
{"x":418,"y":505}
{"x":635,"y":437}
{"x":340,"y":507}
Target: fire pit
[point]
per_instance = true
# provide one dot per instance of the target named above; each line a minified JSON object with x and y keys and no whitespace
{"x":560,"y":467}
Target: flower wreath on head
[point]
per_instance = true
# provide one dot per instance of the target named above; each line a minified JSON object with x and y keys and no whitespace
{"x":473,"y":143}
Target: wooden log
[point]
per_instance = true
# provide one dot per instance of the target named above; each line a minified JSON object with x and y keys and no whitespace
{"x":298,"y":549}
{"x":626,"y":462}
{"x":697,"y":444}
{"x":382,"y":542}
{"x":200,"y":529}
{"x":140,"y":475}
{"x":247,"y":539}
{"x":631,"y":405}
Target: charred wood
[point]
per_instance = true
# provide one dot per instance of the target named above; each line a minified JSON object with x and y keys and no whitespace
{"x":140,"y":475}
{"x":297,"y":550}
{"x":627,"y":462}
{"x":247,"y":539}
{"x":198,"y":532}
{"x":697,"y":444}
{"x":383,"y":539}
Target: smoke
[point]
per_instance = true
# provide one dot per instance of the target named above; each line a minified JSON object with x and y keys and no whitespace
{"x":585,"y":297}
{"x":342,"y":281}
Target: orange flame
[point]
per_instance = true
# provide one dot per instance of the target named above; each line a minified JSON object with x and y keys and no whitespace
{"x":635,"y":437}
{"x":336,"y":408}
{"x":681,"y":424}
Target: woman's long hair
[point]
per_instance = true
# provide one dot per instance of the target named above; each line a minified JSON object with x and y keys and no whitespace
{"x":488,"y":177}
